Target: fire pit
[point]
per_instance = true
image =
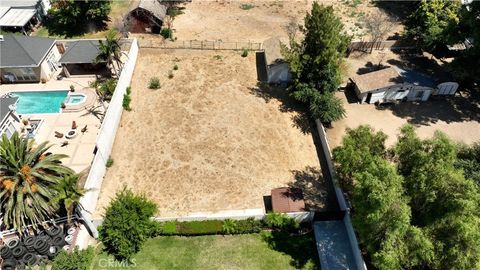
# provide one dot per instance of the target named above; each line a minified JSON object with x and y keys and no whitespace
{"x":71,"y":134}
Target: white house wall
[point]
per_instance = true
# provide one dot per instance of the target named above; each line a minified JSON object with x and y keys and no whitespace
{"x":396,"y":92}
{"x":46,"y":73}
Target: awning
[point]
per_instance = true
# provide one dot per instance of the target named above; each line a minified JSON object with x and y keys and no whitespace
{"x":17,"y":17}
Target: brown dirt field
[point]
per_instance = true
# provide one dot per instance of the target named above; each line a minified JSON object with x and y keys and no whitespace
{"x":204,"y":141}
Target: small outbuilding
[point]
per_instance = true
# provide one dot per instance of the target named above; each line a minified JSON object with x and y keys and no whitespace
{"x":287,"y":200}
{"x":390,"y":85}
{"x":79,"y":58}
{"x":146,"y":16}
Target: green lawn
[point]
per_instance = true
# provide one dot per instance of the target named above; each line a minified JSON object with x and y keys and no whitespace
{"x":276,"y":251}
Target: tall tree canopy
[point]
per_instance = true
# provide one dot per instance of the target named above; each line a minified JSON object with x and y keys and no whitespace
{"x":433,"y":22}
{"x":412,"y":206}
{"x":28,"y":177}
{"x":315,"y":63}
{"x":73,"y":17}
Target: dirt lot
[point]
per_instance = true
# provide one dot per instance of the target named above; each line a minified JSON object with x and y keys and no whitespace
{"x":207,"y":140}
{"x":258,"y":21}
{"x":458,"y":117}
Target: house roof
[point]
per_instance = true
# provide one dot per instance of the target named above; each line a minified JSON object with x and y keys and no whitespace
{"x":18,"y":3}
{"x":286,"y":200}
{"x":5,"y":106}
{"x":155,"y":7}
{"x":17,"y":17}
{"x":23,"y":51}
{"x":377,"y":79}
{"x":80,"y":52}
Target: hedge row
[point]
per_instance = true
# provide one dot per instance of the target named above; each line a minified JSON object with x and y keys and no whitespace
{"x":206,"y":227}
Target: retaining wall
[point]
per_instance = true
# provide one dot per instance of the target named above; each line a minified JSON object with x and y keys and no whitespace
{"x":104,"y":144}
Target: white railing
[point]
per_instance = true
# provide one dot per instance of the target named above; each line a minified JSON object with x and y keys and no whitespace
{"x":104,"y":144}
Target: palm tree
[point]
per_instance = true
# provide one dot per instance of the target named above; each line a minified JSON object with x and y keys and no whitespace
{"x":110,"y":50}
{"x":68,"y":194}
{"x":28,"y":176}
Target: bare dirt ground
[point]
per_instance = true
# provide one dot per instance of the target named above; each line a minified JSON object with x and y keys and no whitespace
{"x":257,"y":21}
{"x":458,"y":117}
{"x":207,"y":140}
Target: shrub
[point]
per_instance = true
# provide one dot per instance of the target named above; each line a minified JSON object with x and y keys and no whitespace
{"x":166,"y":33}
{"x":199,"y":227}
{"x":109,"y":162}
{"x":107,"y":88}
{"x":247,"y":6}
{"x":154,"y":83}
{"x":244,"y":52}
{"x":229,"y":226}
{"x":170,"y":74}
{"x":126,"y":102}
{"x":77,"y":260}
{"x":249,"y":225}
{"x":129,"y":90}
{"x":175,"y":67}
{"x":282,"y":222}
{"x":127,"y":224}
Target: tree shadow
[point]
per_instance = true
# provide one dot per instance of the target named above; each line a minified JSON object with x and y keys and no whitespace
{"x":300,"y":119}
{"x":318,"y":191}
{"x":370,"y":67}
{"x":423,"y":64}
{"x":67,"y":31}
{"x":398,"y":9}
{"x":459,"y":108}
{"x":301,"y":248}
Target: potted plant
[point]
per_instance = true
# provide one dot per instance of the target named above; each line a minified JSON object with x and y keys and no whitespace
{"x":72,"y":88}
{"x":63,"y":106}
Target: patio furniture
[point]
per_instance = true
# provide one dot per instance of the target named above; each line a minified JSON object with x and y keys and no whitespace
{"x":84,"y":129}
{"x":65,"y":143}
{"x":58,"y":135}
{"x":74,"y":125}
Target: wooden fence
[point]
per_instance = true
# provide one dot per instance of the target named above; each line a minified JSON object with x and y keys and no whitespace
{"x":366,"y":46}
{"x":200,"y":45}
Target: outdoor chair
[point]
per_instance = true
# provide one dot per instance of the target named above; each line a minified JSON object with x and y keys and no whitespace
{"x":58,"y":135}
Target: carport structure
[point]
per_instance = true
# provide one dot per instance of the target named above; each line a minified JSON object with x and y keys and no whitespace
{"x":18,"y":18}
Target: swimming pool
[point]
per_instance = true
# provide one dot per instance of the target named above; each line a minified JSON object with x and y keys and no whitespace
{"x":39,"y":101}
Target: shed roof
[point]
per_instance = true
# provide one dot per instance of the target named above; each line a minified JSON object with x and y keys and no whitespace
{"x":377,"y":79}
{"x":18,"y":3}
{"x":80,"y":52}
{"x":5,"y":106}
{"x":286,"y":200}
{"x":23,"y":51}
{"x":155,"y":7}
{"x":17,"y":17}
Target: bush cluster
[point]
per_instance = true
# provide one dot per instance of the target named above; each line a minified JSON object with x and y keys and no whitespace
{"x":274,"y":221}
{"x":127,"y":99}
{"x":76,"y":260}
{"x":166,"y":33}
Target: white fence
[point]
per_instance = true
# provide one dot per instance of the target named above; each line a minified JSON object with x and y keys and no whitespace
{"x":341,"y":199}
{"x":105,"y":139}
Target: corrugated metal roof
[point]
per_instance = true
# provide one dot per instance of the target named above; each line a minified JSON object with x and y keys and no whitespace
{"x":17,"y":17}
{"x":287,"y":200}
{"x":18,"y":3}
{"x":80,"y":52}
{"x":155,"y":7}
{"x":23,"y":51}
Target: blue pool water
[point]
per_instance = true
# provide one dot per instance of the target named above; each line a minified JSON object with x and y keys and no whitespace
{"x":40,"y":102}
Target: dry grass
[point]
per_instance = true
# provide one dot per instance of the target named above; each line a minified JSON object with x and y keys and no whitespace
{"x":205,"y":141}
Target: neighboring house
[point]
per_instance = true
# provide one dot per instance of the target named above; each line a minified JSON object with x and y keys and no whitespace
{"x":22,"y":15}
{"x":146,"y":16}
{"x":79,"y":58}
{"x":390,"y":85}
{"x":9,"y":120}
{"x":27,"y":59}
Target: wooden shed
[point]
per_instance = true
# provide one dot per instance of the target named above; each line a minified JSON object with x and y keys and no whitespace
{"x":146,"y":16}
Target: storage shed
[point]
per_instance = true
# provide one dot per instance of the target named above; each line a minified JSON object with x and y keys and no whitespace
{"x":146,"y":16}
{"x":388,"y":85}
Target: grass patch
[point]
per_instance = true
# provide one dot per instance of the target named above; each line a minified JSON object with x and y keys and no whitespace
{"x":252,"y":251}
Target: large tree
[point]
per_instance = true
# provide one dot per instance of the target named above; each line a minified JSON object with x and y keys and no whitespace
{"x":73,"y":17}
{"x":28,"y":176}
{"x":433,"y":23}
{"x":315,"y":62}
